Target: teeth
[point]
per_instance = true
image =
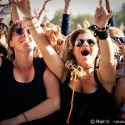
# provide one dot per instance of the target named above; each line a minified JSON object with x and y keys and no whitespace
{"x":84,"y":52}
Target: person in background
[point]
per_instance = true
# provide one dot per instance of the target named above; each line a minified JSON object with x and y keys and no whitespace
{"x":118,"y":92}
{"x":3,"y":40}
{"x":118,"y":39}
{"x":122,"y":27}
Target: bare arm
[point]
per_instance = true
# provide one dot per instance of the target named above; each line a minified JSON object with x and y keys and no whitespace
{"x":43,"y":11}
{"x":107,"y":69}
{"x":14,"y":13}
{"x":53,"y":61}
{"x":67,"y":6}
{"x":45,"y":108}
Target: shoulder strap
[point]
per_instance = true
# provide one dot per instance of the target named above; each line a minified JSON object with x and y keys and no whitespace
{"x":96,"y":78}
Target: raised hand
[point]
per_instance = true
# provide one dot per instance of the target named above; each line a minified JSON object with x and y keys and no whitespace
{"x":86,"y":24}
{"x":101,"y":16}
{"x":24,"y":7}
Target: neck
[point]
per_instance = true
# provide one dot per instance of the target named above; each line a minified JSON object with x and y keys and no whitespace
{"x":23,"y":63}
{"x":89,"y":70}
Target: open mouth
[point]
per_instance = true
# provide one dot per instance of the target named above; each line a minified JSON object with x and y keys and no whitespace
{"x":85,"y":52}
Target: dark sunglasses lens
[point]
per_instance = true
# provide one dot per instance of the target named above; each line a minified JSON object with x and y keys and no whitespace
{"x":91,"y":42}
{"x":122,"y":39}
{"x":79,"y":42}
{"x":19,"y":31}
{"x":115,"y":38}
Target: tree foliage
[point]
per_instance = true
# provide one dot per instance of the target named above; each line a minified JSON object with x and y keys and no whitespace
{"x":57,"y":19}
{"x":120,"y":16}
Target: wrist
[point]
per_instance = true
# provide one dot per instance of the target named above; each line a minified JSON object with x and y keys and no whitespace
{"x":29,"y":14}
{"x":102,"y":33}
{"x":19,"y":119}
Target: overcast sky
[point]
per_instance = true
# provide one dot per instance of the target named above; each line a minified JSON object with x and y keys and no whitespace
{"x":77,"y":6}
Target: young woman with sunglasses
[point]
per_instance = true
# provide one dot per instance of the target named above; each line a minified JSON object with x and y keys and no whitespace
{"x":86,"y":91}
{"x":25,"y":87}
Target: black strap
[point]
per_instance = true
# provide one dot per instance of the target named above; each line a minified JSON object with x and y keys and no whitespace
{"x":96,"y":78}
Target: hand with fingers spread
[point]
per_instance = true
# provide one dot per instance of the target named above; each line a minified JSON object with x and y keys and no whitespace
{"x":101,"y":16}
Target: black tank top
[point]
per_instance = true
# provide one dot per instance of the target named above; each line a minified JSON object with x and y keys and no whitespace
{"x":16,"y":97}
{"x":86,"y":107}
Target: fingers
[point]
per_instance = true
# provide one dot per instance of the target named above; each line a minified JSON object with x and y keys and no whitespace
{"x":100,"y":3}
{"x":12,"y":1}
{"x":15,"y":1}
{"x":58,"y":33}
{"x":110,"y":13}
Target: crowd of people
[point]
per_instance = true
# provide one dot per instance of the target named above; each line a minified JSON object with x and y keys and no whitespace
{"x":52,"y":75}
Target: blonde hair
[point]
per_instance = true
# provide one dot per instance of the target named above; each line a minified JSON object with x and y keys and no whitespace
{"x":115,"y":31}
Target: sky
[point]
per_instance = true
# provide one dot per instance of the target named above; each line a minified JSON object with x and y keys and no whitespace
{"x":77,"y":6}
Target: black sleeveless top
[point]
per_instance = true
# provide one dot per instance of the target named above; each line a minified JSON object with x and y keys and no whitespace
{"x":16,"y":97}
{"x":86,"y":107}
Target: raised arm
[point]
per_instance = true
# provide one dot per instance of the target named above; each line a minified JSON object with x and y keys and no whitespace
{"x":65,"y":27}
{"x":43,"y":11}
{"x":111,"y":20}
{"x":53,"y":61}
{"x":107,"y":69}
{"x":14,"y":13}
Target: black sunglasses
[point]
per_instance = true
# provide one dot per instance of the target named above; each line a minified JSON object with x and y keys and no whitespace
{"x":20,"y":31}
{"x":121,"y":39}
{"x":79,"y":42}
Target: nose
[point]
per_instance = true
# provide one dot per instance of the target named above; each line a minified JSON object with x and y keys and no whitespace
{"x":85,"y":43}
{"x":25,"y":32}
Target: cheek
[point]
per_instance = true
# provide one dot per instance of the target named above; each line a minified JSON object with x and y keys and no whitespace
{"x":95,"y":51}
{"x":75,"y":51}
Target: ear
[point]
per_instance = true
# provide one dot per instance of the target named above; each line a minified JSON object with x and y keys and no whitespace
{"x":11,"y":43}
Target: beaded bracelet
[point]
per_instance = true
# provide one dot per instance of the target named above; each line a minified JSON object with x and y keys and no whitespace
{"x":101,"y":29}
{"x":32,"y":24}
{"x":101,"y":33}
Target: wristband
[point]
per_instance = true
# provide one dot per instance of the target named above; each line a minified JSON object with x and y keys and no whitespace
{"x":24,"y":116}
{"x":102,"y":33}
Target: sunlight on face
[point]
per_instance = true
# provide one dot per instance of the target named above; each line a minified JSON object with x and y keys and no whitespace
{"x":86,"y":54}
